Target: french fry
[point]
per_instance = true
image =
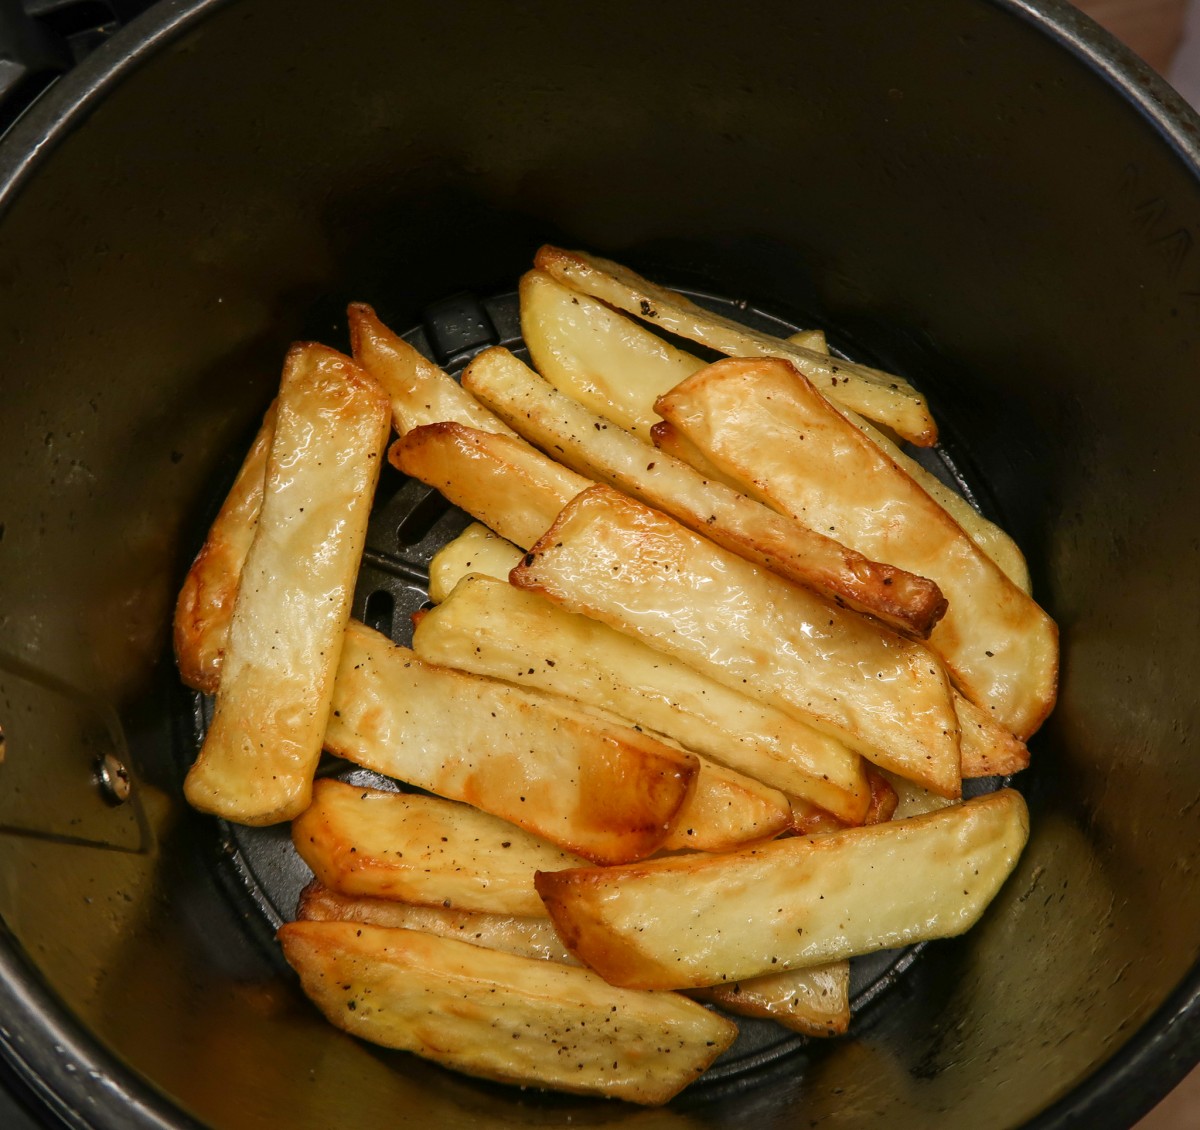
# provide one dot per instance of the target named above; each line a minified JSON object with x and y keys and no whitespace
{"x":610,"y":363}
{"x":500,"y":481}
{"x":491,"y":628}
{"x":815,"y":1001}
{"x":422,"y":850}
{"x":603,"y":791}
{"x":694,"y":920}
{"x":911,"y":799}
{"x":882,"y":397}
{"x":606,"y":361}
{"x":768,"y":427}
{"x":476,"y":550}
{"x":205,"y":604}
{"x":261,"y":750}
{"x":988,"y":749}
{"x":727,"y":810}
{"x":502,"y":1017}
{"x":618,"y":561}
{"x":524,"y":935}
{"x":420,"y":392}
{"x":587,"y":443}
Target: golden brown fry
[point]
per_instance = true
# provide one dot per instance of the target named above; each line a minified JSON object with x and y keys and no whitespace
{"x":606,"y":361}
{"x":813,"y":1001}
{"x":988,"y":749}
{"x":421,"y":850}
{"x":767,"y":426}
{"x":205,"y":604}
{"x":476,"y":550}
{"x":500,"y":481}
{"x":502,"y":1017}
{"x":491,"y":628}
{"x":618,"y":561}
{"x":524,"y":935}
{"x":727,"y":810}
{"x":694,"y":920}
{"x":420,"y":392}
{"x":589,"y":444}
{"x":259,"y":755}
{"x":601,"y":790}
{"x":879,"y":396}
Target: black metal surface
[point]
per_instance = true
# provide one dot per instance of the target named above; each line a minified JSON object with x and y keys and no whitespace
{"x":1018,"y":418}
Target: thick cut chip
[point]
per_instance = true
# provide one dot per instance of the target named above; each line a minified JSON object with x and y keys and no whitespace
{"x":476,"y":550}
{"x":604,"y":791}
{"x":258,"y":758}
{"x":988,"y":749}
{"x":507,"y":1018}
{"x":524,"y":935}
{"x":422,"y":850}
{"x":603,"y":359}
{"x":698,"y":920}
{"x":727,"y":810}
{"x":205,"y":604}
{"x":420,"y":392}
{"x":491,"y":628}
{"x":765,"y":424}
{"x":813,"y":1001}
{"x":589,"y":444}
{"x":882,"y":397}
{"x":500,"y":481}
{"x":886,"y":697}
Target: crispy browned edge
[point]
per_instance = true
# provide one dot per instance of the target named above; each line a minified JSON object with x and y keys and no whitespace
{"x":205,"y":603}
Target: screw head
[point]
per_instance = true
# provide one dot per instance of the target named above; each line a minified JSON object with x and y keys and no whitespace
{"x":113,"y":779}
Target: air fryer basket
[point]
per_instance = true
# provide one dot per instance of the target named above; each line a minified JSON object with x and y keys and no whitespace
{"x":987,"y":199}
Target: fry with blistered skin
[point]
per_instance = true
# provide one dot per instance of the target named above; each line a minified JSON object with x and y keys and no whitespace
{"x":422,"y":850}
{"x":698,"y":920}
{"x":886,"y":697}
{"x":882,"y":397}
{"x":420,"y":392}
{"x":500,"y":481}
{"x":601,"y":790}
{"x":766,"y":425}
{"x":261,"y":750}
{"x":590,"y":445}
{"x":491,"y":628}
{"x":503,"y":1017}
{"x":205,"y":604}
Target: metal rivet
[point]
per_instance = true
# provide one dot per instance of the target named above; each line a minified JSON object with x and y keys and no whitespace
{"x":113,"y":779}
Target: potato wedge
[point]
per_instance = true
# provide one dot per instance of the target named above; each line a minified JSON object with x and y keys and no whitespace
{"x":603,"y":791}
{"x":205,"y":604}
{"x":882,"y":397}
{"x":502,"y":1017}
{"x":476,"y":550}
{"x":727,"y":810}
{"x":420,"y":392}
{"x":988,"y":749}
{"x":500,"y":481}
{"x":589,"y":351}
{"x":491,"y":628}
{"x":422,"y":850}
{"x":285,"y":638}
{"x":698,"y":920}
{"x":767,"y":426}
{"x":589,"y":444}
{"x":524,"y":935}
{"x":610,"y":363}
{"x":814,"y":1001}
{"x":618,"y":561}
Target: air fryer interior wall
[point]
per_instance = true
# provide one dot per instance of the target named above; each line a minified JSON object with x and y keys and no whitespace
{"x":946,"y":190}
